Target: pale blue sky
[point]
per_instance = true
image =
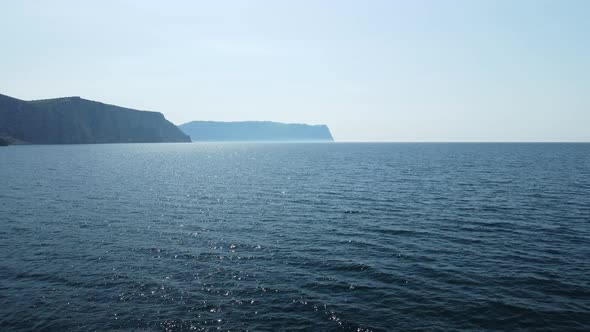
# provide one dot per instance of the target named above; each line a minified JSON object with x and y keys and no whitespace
{"x":471,"y":70}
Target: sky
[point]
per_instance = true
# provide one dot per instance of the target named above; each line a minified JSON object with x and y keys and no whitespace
{"x":403,"y":71}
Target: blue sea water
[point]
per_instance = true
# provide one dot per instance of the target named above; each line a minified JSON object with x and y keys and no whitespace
{"x":319,"y":237}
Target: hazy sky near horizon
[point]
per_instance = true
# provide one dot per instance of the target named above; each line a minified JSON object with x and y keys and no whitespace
{"x":388,"y":70}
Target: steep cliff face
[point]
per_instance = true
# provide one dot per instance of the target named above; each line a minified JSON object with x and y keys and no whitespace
{"x":75,"y":120}
{"x":254,"y":131}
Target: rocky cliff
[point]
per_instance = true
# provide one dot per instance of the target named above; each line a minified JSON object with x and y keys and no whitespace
{"x":255,"y":131}
{"x":74,"y":120}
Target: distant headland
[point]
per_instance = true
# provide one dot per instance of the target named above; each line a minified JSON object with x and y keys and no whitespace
{"x":255,"y":131}
{"x":74,"y":120}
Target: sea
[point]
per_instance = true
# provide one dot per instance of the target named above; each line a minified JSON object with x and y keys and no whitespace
{"x":295,"y":237}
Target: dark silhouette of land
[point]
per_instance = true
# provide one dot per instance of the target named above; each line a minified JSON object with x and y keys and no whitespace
{"x":73,"y":120}
{"x":255,"y":131}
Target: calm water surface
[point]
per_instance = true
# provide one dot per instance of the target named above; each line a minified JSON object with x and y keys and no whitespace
{"x":359,"y":237}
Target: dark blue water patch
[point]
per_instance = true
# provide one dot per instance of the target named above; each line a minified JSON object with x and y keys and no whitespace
{"x":343,"y":237}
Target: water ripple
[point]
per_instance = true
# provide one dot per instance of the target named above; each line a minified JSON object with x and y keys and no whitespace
{"x":335,"y":237}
